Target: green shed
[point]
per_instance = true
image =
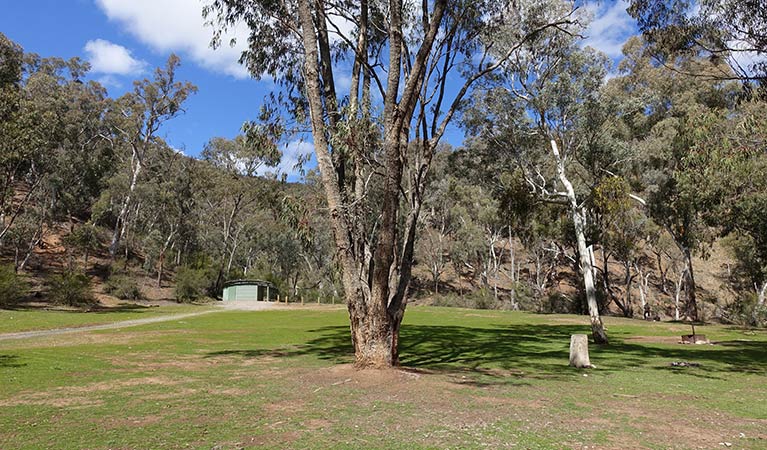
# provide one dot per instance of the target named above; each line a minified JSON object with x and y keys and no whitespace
{"x":253,"y":290}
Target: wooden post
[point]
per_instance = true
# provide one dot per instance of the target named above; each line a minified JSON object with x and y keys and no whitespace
{"x":318,"y":299}
{"x":302,"y":299}
{"x":579,"y":352}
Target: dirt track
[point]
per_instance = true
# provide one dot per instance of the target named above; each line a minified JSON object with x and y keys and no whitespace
{"x":235,"y":305}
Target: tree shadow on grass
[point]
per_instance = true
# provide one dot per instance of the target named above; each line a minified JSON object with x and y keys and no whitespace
{"x":508,"y":353}
{"x":95,"y":309}
{"x":10,"y":361}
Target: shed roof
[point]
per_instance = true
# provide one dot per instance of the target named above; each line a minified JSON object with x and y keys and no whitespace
{"x":250,"y":283}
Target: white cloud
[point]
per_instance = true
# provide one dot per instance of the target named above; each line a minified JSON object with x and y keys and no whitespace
{"x":292,"y":152}
{"x":340,"y":29}
{"x":109,"y":81}
{"x":112,"y":59}
{"x":343,"y":83}
{"x":745,"y":60}
{"x":610,"y":28}
{"x":178,"y":26}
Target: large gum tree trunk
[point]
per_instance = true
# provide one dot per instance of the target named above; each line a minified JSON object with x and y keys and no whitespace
{"x":374,"y":332}
{"x":375,"y":335}
{"x":579,"y":222}
{"x":375,"y":285}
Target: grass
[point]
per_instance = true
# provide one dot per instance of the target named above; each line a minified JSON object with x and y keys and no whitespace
{"x":14,"y":320}
{"x":474,"y":379}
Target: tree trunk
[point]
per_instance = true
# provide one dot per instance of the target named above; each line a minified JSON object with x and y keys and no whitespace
{"x":644,"y":282}
{"x":579,"y":351}
{"x":762,"y":294}
{"x":372,"y":332}
{"x":161,"y":262}
{"x":691,"y":304}
{"x":160,"y":269}
{"x":661,"y":272}
{"x":375,"y":295}
{"x":678,"y":294}
{"x":121,"y":224}
{"x":33,"y":243}
{"x":375,"y":337}
{"x":628,"y":310}
{"x":579,"y":222}
{"x":606,"y":277}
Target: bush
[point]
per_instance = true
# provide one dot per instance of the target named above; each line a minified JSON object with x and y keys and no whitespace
{"x":479,"y":299}
{"x":12,"y":287}
{"x":72,"y":289}
{"x":557,"y":303}
{"x":191,"y":284}
{"x":747,"y":311}
{"x":123,"y":287}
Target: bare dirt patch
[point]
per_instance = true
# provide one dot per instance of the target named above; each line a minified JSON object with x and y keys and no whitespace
{"x":667,"y":340}
{"x":85,"y":395}
{"x":44,"y":399}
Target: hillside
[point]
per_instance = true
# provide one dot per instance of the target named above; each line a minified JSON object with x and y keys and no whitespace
{"x":51,"y":257}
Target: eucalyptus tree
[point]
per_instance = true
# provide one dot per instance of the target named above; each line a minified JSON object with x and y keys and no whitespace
{"x":733,"y":31}
{"x":11,"y":72}
{"x":623,"y":235}
{"x":544,"y":100}
{"x":234,"y":190}
{"x":400,"y":56}
{"x":30,"y":126}
{"x":169,"y":198}
{"x":726,"y":169}
{"x":136,"y":117}
{"x":52,"y":157}
{"x":11,"y":157}
{"x":659,"y":110}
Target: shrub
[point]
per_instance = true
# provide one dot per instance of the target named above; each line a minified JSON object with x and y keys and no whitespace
{"x":483,"y":299}
{"x":190,"y":284}
{"x":72,"y":289}
{"x":123,"y":287}
{"x":12,"y":287}
{"x":479,"y":299}
{"x":746,"y":311}
{"x":557,"y":303}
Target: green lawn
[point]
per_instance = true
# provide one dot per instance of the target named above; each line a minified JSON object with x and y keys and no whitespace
{"x":29,"y":320}
{"x":473,"y":379}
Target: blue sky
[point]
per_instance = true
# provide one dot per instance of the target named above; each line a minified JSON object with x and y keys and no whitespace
{"x":125,"y":39}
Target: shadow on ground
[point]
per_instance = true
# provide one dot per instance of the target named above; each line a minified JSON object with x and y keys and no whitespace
{"x":95,"y":309}
{"x":525,"y":351}
{"x":7,"y":361}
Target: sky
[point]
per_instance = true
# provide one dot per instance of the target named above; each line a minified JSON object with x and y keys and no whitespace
{"x":125,"y":40}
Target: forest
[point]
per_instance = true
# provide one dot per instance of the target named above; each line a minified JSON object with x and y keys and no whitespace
{"x":581,"y":186}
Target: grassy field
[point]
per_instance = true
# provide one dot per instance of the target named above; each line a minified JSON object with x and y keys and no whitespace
{"x":37,"y":319}
{"x":472,"y":379}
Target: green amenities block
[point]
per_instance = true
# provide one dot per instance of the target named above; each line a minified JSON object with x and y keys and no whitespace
{"x":255,"y":290}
